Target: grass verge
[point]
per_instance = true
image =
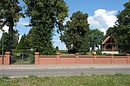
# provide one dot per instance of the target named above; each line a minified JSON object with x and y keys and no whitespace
{"x":93,"y":80}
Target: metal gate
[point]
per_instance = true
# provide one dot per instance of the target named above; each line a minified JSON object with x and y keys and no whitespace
{"x":22,"y":57}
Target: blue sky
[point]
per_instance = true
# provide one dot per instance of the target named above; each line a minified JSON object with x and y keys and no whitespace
{"x":102,"y":15}
{"x":89,"y":6}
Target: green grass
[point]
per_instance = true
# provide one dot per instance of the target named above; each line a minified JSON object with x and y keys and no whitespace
{"x":93,"y":80}
{"x":22,"y":62}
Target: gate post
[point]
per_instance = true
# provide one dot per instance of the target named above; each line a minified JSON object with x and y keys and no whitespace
{"x":7,"y":58}
{"x":95,"y":58}
{"x":58,"y":58}
{"x":77,"y":57}
{"x":128,"y":58}
{"x":36,"y":58}
{"x":112,"y":59}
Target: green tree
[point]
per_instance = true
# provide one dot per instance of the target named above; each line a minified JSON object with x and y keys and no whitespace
{"x":22,"y":43}
{"x":95,"y":38}
{"x":121,"y":31}
{"x":10,"y":12}
{"x":6,"y":38}
{"x":75,"y":34}
{"x":45,"y":15}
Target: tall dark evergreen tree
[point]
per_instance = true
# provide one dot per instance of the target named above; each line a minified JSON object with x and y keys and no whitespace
{"x":75,"y":35}
{"x":22,"y":43}
{"x":121,"y":31}
{"x":44,"y":15}
{"x":6,"y":38}
{"x":10,"y":12}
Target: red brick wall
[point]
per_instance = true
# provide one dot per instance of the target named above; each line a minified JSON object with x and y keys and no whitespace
{"x":120,"y":60}
{"x":80,"y":59}
{"x":67,"y":59}
{"x":6,"y":58}
{"x":0,"y":59}
{"x":103,"y":60}
{"x":83,"y":59}
{"x":36,"y":58}
{"x":47,"y":61}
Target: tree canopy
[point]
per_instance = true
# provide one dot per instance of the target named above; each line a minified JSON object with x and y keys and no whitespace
{"x":6,"y":38}
{"x":76,"y":32}
{"x":95,"y":38}
{"x":121,"y":31}
{"x":10,"y":12}
{"x":45,"y":15}
{"x":22,"y":43}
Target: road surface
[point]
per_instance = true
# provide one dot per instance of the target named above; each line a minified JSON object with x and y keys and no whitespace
{"x":62,"y":72}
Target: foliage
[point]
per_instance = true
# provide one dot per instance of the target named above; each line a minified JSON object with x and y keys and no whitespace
{"x":22,"y":56}
{"x":22,"y":43}
{"x":6,"y":40}
{"x":75,"y":34}
{"x":3,"y":76}
{"x":44,"y":15}
{"x":91,"y":80}
{"x":98,"y":52}
{"x":95,"y":38}
{"x":57,"y":48}
{"x":10,"y":12}
{"x":121,"y":31}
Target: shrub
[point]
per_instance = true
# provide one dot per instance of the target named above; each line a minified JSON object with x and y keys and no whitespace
{"x":98,"y":52}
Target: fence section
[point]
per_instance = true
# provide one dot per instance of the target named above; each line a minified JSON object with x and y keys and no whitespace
{"x":80,"y":59}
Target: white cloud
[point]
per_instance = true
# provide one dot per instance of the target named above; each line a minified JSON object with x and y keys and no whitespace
{"x":0,"y":34}
{"x":66,"y":19}
{"x":20,"y":38}
{"x":5,"y":28}
{"x":102,"y":19}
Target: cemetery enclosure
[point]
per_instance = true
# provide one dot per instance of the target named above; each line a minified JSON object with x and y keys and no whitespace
{"x":80,"y":59}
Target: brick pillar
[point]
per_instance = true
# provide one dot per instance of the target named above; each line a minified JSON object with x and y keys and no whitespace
{"x":7,"y":58}
{"x":58,"y":58}
{"x":77,"y":57}
{"x":112,"y":59}
{"x":36,"y":58}
{"x":94,"y":60}
{"x":128,"y":58}
{"x":0,"y":59}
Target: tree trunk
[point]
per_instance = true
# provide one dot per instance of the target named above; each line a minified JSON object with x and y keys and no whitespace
{"x":11,"y":25}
